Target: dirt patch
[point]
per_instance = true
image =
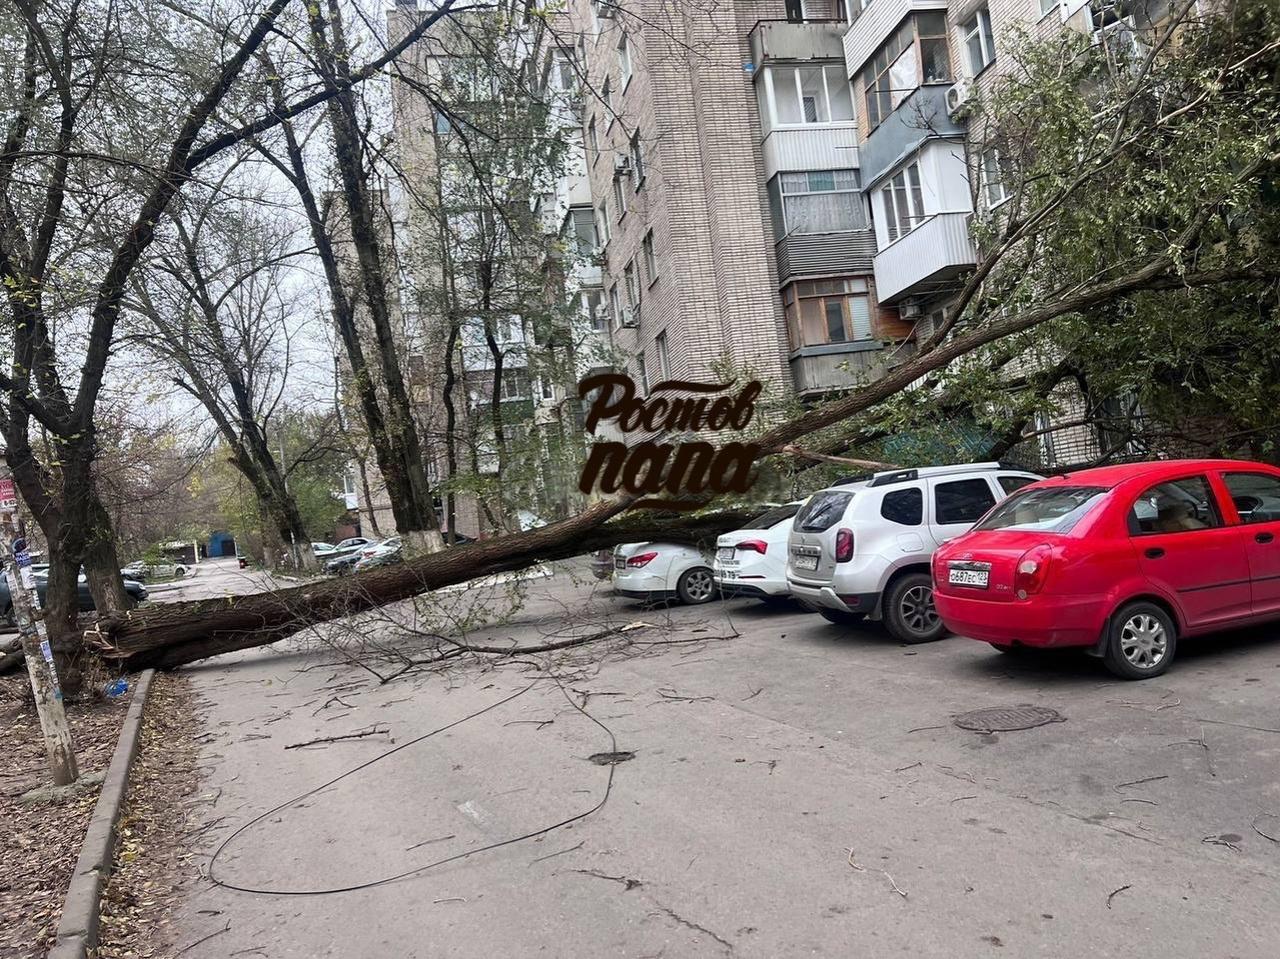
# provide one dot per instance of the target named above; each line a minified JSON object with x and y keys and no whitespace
{"x":153,"y":850}
{"x":42,"y":841}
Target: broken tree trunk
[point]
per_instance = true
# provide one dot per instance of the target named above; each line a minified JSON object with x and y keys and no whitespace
{"x":179,"y":633}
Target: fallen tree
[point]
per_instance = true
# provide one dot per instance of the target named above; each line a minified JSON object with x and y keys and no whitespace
{"x":1154,"y":181}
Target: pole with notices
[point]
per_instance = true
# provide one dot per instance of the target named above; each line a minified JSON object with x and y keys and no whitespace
{"x":35,"y":642}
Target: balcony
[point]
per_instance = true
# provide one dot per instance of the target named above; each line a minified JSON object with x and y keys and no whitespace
{"x":815,"y":148}
{"x":875,"y":23}
{"x":927,"y":260}
{"x":785,"y":40}
{"x":825,"y":369}
{"x":922,"y":115}
{"x":825,"y":254}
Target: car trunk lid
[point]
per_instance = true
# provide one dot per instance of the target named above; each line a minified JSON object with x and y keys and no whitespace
{"x":987,"y":569}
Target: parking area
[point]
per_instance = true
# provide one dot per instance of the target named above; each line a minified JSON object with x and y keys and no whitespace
{"x":796,"y":788}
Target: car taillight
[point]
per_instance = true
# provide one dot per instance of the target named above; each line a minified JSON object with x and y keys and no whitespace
{"x":640,"y":559}
{"x":844,"y":545}
{"x":754,"y":546}
{"x":1032,"y":570}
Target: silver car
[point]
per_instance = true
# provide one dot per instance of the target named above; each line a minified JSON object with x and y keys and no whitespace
{"x":862,"y":548}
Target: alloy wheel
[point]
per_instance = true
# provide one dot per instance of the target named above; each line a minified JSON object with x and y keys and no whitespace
{"x":918,"y":611}
{"x":1143,"y":641}
{"x":699,"y":585}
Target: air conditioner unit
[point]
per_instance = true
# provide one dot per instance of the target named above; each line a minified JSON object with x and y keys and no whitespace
{"x":957,"y":97}
{"x":622,"y":166}
{"x":630,"y":318}
{"x":909,"y":310}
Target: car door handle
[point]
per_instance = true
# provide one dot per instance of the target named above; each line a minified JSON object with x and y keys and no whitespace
{"x":1155,"y":552}
{"x":1264,"y":537}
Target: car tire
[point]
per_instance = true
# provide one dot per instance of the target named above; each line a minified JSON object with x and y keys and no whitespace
{"x":696,"y":586}
{"x":909,"y":613}
{"x":1141,"y":641}
{"x":839,"y":617}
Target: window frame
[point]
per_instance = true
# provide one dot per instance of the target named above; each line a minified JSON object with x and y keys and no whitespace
{"x":919,"y":493}
{"x":854,"y":191}
{"x":637,"y":161}
{"x":1131,"y":517}
{"x":874,"y":79}
{"x":791,"y":70}
{"x":938,"y":485}
{"x":593,"y":139}
{"x":623,"y":50}
{"x":650,"y":258}
{"x":989,"y":158}
{"x":602,"y":223}
{"x":979,"y":27}
{"x":911,"y":191}
{"x":664,"y":360}
{"x":795,"y":295}
{"x":1226,"y":475}
{"x":642,"y":374}
{"x":619,"y":197}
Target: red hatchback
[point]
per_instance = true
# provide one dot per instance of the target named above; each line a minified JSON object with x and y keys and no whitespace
{"x":1122,"y":559}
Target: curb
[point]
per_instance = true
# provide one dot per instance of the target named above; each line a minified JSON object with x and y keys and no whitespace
{"x":78,"y":927}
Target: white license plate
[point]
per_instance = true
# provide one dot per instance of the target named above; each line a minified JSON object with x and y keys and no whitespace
{"x":728,"y":574}
{"x":969,"y":577}
{"x":725,"y":552}
{"x":805,"y":562}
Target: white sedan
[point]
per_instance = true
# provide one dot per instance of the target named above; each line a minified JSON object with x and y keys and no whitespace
{"x":657,"y":571}
{"x":752,"y":561}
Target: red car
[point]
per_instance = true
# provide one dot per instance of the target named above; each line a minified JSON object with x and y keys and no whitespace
{"x":1122,"y":560}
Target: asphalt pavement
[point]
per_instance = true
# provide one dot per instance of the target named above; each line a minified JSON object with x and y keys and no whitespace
{"x":798,"y":789}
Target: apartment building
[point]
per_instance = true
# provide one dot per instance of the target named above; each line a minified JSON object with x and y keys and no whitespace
{"x":725,"y":195}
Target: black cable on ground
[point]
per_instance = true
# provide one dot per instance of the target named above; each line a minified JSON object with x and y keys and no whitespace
{"x":431,"y":865}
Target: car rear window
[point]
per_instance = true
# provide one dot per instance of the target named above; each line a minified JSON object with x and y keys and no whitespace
{"x":774,"y":516}
{"x":1053,"y":509}
{"x":822,"y":511}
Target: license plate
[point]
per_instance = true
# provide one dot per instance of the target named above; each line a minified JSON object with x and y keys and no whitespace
{"x":620,"y":563}
{"x":724,"y":552}
{"x":969,"y":577}
{"x":805,"y":562}
{"x":728,"y":574}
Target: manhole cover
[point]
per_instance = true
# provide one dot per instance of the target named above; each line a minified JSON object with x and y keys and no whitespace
{"x":611,"y":759}
{"x":1001,"y":719}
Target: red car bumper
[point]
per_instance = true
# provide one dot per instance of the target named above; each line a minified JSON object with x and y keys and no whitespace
{"x":1041,"y":621}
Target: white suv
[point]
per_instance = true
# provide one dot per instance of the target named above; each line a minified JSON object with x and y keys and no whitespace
{"x":862,"y":548}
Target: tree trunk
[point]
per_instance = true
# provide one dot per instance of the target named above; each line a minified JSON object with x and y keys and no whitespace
{"x":171,"y":635}
{"x":102,"y":562}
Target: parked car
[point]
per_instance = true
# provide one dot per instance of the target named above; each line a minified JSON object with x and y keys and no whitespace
{"x":352,"y":543}
{"x":663,"y":571}
{"x":1120,"y":560}
{"x":752,"y":561}
{"x":322,"y":549}
{"x":143,"y":571}
{"x":862,"y":548}
{"x":379,"y":554}
{"x":135,"y":589}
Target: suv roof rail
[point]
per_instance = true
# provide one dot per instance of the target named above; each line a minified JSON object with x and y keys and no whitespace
{"x":902,"y":476}
{"x":852,"y":478}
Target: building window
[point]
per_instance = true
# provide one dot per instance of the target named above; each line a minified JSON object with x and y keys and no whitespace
{"x":898,"y":68}
{"x":804,"y":95}
{"x":602,"y":223}
{"x":615,"y":306}
{"x":979,"y":46}
{"x":606,"y":94}
{"x":630,"y":285}
{"x":903,"y":202}
{"x":817,"y":201}
{"x":547,"y":389}
{"x":637,"y":160}
{"x":593,"y":306}
{"x":514,"y":385}
{"x":642,"y":374}
{"x":593,"y":139}
{"x":822,"y":312}
{"x":660,"y":347}
{"x":583,"y":224}
{"x":442,"y":123}
{"x":619,"y":196}
{"x":992,"y":179}
{"x":650,"y":259}
{"x":624,"y":60}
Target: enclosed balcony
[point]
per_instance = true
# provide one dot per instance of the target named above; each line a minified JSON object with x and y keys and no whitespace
{"x":874,"y":22}
{"x":788,"y":40}
{"x":927,"y":260}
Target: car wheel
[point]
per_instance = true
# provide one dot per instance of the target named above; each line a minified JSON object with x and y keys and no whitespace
{"x":1141,"y":641}
{"x":696,"y":586}
{"x":909,"y":613}
{"x":840,"y":618}
{"x":179,"y":572}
